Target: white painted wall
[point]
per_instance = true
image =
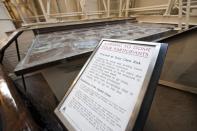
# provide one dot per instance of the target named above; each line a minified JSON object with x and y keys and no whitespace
{"x":5,"y":24}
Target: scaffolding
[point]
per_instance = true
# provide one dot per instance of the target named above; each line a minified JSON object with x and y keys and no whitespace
{"x":53,"y":11}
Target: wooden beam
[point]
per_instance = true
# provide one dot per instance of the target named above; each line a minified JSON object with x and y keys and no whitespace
{"x":104,"y":4}
{"x":35,"y":11}
{"x":43,"y":10}
{"x":108,"y":8}
{"x":171,"y":3}
{"x":187,"y":14}
{"x":127,"y":8}
{"x":99,"y":6}
{"x":180,"y":14}
{"x":83,"y":8}
{"x":172,"y":19}
{"x":14,"y":2}
{"x":48,"y":6}
{"x":58,"y":7}
{"x":120,"y":8}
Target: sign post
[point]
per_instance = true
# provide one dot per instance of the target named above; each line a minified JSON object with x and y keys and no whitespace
{"x":108,"y":93}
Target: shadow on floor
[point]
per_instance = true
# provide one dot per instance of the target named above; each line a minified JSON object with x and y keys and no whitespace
{"x":172,"y":110}
{"x":41,"y":102}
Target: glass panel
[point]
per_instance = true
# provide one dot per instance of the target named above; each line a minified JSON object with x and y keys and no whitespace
{"x":60,"y":45}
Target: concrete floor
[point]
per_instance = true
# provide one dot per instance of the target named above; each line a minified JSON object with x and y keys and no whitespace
{"x":172,"y":110}
{"x":181,"y":62}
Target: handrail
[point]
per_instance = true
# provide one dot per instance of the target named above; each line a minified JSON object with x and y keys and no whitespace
{"x":14,"y":115}
{"x":6,"y":43}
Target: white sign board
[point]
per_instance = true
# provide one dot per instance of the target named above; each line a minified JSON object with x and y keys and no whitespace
{"x":109,"y":90}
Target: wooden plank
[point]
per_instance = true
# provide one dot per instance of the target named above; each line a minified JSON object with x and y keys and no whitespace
{"x":178,"y":86}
